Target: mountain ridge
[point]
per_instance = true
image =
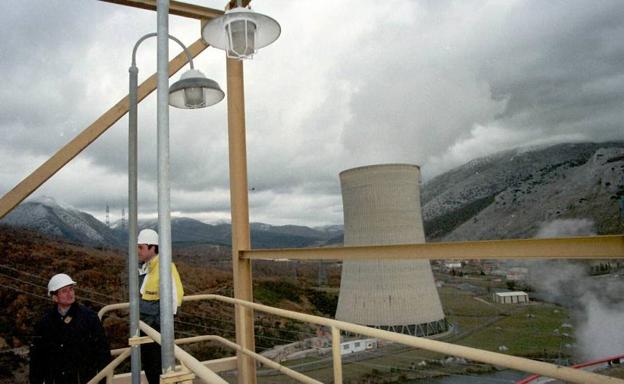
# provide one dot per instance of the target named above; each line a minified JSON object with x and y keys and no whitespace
{"x":510,"y":194}
{"x":60,"y":220}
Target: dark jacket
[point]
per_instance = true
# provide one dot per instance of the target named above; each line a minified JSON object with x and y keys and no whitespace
{"x":68,"y":349}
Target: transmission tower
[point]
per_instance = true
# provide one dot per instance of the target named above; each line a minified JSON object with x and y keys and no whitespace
{"x":107,"y":216}
{"x":322,"y":275}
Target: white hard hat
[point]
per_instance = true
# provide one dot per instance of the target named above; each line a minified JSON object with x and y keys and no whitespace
{"x":59,"y":281}
{"x":148,"y":236}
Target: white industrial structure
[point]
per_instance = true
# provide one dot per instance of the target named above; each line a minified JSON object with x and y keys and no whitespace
{"x":382,"y":207}
{"x":360,"y":345}
{"x":516,"y":297}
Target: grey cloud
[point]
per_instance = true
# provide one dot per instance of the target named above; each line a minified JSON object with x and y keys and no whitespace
{"x":540,"y":69}
{"x":548,"y":58}
{"x":39,"y":65}
{"x":433,"y":83}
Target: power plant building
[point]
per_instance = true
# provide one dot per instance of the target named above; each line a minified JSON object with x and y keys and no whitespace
{"x":517,"y":297}
{"x":381,"y":206}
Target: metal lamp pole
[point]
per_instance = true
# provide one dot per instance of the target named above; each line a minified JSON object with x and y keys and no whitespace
{"x":133,"y":259}
{"x":133,"y":288}
{"x":164,"y":211}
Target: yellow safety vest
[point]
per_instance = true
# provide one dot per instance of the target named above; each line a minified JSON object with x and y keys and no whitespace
{"x":150,"y":289}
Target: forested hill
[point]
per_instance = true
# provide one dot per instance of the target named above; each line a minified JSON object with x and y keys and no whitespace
{"x":28,"y":259}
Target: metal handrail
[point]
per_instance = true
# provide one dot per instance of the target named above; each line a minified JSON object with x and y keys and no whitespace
{"x":190,"y":362}
{"x":185,"y":358}
{"x":110,"y":368}
{"x":513,"y":362}
{"x":267,"y":362}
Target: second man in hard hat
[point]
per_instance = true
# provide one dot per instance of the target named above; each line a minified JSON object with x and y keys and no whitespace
{"x":149,"y":298}
{"x":69,"y":344}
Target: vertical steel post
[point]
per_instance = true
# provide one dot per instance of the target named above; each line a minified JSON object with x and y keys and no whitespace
{"x":133,"y":278}
{"x":240,"y":217}
{"x":164,"y":220}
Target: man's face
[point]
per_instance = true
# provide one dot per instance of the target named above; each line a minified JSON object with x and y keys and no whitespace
{"x":64,"y":296}
{"x":145,"y":252}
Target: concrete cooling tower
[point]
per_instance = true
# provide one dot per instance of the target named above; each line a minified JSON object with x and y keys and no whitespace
{"x":381,"y":207}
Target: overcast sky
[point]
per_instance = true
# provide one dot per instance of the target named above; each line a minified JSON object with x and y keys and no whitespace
{"x":348,"y":83}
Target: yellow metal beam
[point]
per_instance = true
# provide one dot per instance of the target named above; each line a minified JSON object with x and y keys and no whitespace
{"x":64,"y":155}
{"x":593,"y":247}
{"x":175,"y":8}
{"x":242,"y":276}
{"x":336,"y":355}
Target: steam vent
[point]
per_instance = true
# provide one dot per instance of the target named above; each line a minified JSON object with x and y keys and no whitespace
{"x":381,"y":207}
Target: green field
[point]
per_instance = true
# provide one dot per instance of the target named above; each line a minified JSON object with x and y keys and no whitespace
{"x":524,"y":330}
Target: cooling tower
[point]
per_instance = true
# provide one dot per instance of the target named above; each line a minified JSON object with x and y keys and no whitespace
{"x":381,"y":206}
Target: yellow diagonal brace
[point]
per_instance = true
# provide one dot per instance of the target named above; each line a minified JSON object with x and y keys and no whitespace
{"x":177,"y":8}
{"x":33,"y":181}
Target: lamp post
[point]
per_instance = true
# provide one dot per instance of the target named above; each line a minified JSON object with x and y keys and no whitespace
{"x":193,"y":90}
{"x":240,"y":32}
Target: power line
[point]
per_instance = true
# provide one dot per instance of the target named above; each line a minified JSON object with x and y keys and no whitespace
{"x":2,"y":274}
{"x":26,"y":292}
{"x":20,"y":271}
{"x":43,"y":278}
{"x":40,"y":286}
{"x":232,"y":332}
{"x":258,"y":326}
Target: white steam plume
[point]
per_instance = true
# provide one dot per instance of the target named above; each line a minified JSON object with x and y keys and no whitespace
{"x":597,"y":302}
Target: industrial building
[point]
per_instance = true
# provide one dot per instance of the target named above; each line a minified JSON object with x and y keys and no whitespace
{"x":516,"y":297}
{"x":361,"y":345}
{"x":381,"y":207}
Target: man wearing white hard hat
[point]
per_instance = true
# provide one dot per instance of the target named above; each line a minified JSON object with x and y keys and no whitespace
{"x":69,"y":344}
{"x":149,"y":298}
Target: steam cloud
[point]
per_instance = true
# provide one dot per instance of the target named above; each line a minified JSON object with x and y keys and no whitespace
{"x":566,"y":227}
{"x":599,"y":333}
{"x":597,"y":302}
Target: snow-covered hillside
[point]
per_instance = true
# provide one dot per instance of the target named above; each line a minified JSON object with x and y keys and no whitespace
{"x":513,"y":194}
{"x":48,"y":216}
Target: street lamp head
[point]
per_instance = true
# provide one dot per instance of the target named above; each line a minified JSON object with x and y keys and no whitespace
{"x":241,"y":32}
{"x":194,"y":90}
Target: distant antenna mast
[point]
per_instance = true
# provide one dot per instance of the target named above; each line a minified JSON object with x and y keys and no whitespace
{"x":322,"y":275}
{"x":107,"y":216}
{"x":123,"y":218}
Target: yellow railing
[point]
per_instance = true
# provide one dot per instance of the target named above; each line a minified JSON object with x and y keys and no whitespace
{"x":110,"y":368}
{"x":517,"y":363}
{"x":201,"y":369}
{"x":188,"y":361}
